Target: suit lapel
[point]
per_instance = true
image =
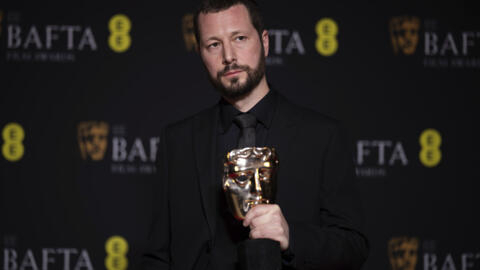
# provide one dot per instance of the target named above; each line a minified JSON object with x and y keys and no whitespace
{"x":204,"y":139}
{"x":281,"y":136}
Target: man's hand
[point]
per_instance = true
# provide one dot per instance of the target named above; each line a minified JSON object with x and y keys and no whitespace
{"x":267,"y":221}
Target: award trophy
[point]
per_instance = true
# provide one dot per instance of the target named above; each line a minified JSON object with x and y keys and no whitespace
{"x":249,"y":179}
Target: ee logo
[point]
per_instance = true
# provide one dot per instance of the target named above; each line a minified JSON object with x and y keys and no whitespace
{"x":116,"y":248}
{"x":119,"y":39}
{"x":430,"y":141}
{"x":13,"y":136}
{"x":327,"y":31}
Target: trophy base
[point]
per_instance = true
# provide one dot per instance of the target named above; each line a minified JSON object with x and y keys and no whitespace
{"x":259,"y":254}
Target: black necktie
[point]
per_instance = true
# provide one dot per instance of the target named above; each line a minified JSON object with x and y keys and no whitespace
{"x":247,"y":123}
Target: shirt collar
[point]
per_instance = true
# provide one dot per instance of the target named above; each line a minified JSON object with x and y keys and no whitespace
{"x":263,"y":111}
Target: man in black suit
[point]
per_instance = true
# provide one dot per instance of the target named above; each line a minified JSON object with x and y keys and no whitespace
{"x":315,"y":218}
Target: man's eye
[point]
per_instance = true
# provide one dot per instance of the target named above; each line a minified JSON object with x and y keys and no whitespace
{"x":213,"y":45}
{"x":241,"y":38}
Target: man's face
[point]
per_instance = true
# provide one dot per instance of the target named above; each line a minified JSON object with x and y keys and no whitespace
{"x":232,"y":51}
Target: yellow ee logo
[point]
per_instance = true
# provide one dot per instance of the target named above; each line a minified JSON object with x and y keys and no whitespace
{"x":12,"y":148}
{"x":327,"y":31}
{"x":430,"y":141}
{"x":119,"y":39}
{"x":116,"y":248}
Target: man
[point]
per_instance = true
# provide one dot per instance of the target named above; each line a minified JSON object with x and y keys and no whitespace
{"x":315,"y":218}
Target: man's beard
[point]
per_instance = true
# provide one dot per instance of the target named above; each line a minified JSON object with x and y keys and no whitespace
{"x":235,"y":90}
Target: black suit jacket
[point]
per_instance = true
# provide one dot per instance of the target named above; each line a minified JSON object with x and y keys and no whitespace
{"x":315,"y":191}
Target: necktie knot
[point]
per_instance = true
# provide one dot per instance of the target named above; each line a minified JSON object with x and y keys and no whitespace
{"x":246,"y":120}
{"x":247,"y":123}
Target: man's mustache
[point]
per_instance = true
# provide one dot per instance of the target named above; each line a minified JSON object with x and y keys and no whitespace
{"x":232,"y":67}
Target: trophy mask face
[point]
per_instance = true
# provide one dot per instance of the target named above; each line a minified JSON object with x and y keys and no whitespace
{"x":403,"y":253}
{"x":92,"y":139}
{"x":404,"y":31}
{"x":249,"y":178}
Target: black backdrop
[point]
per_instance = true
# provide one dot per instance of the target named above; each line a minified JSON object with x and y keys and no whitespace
{"x":67,"y":78}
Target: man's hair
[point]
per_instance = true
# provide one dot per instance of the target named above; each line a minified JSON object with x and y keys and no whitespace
{"x":212,"y":6}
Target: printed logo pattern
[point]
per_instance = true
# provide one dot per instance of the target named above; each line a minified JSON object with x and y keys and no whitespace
{"x":92,"y":139}
{"x":430,"y":141}
{"x":119,"y":39}
{"x":327,"y":31}
{"x":13,"y":136}
{"x":116,"y":248}
{"x":403,"y":253}
{"x":404,"y":34}
{"x":188,"y":32}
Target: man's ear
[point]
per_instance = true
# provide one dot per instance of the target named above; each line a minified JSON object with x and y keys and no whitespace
{"x":266,"y":42}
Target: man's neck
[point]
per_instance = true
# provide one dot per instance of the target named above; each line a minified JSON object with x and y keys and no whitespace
{"x":245,"y":103}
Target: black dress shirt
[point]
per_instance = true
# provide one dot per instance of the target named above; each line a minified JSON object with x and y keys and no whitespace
{"x":230,"y":232}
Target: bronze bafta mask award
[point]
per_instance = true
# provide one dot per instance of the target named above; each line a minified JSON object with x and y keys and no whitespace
{"x":249,"y":178}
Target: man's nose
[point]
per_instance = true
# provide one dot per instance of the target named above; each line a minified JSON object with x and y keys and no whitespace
{"x":228,"y":54}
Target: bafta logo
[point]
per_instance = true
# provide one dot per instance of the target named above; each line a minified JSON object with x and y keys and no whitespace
{"x":188,"y":32}
{"x":92,"y":139}
{"x":402,"y":252}
{"x":404,"y":34}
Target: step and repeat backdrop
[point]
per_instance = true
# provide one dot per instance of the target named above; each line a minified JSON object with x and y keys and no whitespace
{"x":85,"y":91}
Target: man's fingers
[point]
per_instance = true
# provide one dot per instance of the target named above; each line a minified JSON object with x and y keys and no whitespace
{"x":259,"y":221}
{"x":270,"y":219}
{"x":258,"y":210}
{"x":271,"y":232}
{"x":274,"y":233}
{"x":267,"y":221}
